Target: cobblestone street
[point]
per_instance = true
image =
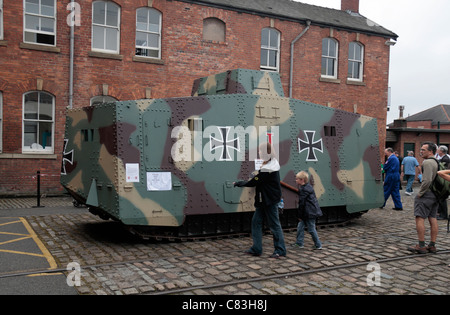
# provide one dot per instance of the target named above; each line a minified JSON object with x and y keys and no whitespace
{"x":366,"y":256}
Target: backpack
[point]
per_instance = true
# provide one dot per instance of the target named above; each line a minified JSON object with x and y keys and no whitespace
{"x":440,"y":187}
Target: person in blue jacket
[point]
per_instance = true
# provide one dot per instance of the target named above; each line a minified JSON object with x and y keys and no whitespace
{"x":392,"y":180}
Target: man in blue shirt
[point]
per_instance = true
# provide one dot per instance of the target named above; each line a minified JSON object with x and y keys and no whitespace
{"x":409,"y":165}
{"x":392,"y":180}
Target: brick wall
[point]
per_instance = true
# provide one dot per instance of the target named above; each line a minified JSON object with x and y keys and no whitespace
{"x":417,"y":138}
{"x":20,"y":70}
{"x":426,"y":124}
{"x":185,"y":57}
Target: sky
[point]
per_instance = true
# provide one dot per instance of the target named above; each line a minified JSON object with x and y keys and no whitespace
{"x":419,"y":75}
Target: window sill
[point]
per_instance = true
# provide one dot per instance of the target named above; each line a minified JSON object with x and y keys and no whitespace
{"x":269,"y":70}
{"x":3,"y":42}
{"x":41,"y":156}
{"x":355,"y":82}
{"x":329,"y":80}
{"x":148,"y":60}
{"x":97,"y":54}
{"x":52,"y":49}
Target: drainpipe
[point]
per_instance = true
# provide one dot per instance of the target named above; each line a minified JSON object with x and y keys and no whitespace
{"x":72,"y":41}
{"x":308,"y":23}
{"x":438,"y":135}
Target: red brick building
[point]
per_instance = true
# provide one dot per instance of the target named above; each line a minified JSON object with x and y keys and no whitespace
{"x":408,"y":134}
{"x":132,"y":49}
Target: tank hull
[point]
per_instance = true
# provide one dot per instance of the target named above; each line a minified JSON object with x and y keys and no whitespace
{"x":158,"y":162}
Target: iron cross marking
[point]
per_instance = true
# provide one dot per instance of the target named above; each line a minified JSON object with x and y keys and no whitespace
{"x":310,"y":145}
{"x":224,"y":143}
{"x":67,"y":157}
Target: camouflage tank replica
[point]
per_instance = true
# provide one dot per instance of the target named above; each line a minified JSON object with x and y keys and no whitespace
{"x":166,"y":167}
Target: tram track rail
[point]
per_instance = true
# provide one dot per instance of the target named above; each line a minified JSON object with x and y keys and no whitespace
{"x":18,"y":273}
{"x":307,"y":270}
{"x":293,"y":274}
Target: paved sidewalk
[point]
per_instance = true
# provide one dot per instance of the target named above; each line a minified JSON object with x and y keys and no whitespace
{"x":7,"y":203}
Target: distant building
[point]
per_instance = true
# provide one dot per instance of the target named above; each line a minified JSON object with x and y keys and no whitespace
{"x":408,"y":134}
{"x":135,"y":49}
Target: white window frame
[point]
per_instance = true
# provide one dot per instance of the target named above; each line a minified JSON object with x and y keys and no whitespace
{"x":37,"y":147}
{"x":105,"y":28}
{"x":265,"y":64}
{"x":1,"y":21}
{"x":41,"y":16}
{"x":1,"y":121}
{"x":327,"y":57}
{"x":352,"y":60}
{"x":148,"y":32}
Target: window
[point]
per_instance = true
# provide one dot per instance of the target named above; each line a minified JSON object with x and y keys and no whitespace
{"x":102,"y":99}
{"x":38,"y":122}
{"x":408,"y":147}
{"x":329,"y":58}
{"x":1,"y":24}
{"x":214,"y":29}
{"x":40,"y":22}
{"x":1,"y":122}
{"x":329,"y":131}
{"x":270,"y":49}
{"x":355,"y":61}
{"x":105,"y":27}
{"x":87,"y":135}
{"x":148,"y":33}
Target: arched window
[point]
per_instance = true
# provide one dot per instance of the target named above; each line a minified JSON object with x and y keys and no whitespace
{"x":1,"y":121}
{"x":105,"y":26}
{"x":38,"y":122}
{"x":270,"y":49}
{"x":329,"y":58}
{"x":148,"y":33}
{"x":355,"y":61}
{"x":214,"y":29}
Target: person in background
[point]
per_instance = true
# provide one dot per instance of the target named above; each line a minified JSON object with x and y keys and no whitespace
{"x":400,"y":160}
{"x":445,"y":175}
{"x":442,"y":156}
{"x":392,"y":180}
{"x":409,"y":166}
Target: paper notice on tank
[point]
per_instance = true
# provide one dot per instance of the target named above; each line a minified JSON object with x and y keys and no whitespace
{"x":132,"y":172}
{"x":159,"y":181}
{"x":258,"y":164}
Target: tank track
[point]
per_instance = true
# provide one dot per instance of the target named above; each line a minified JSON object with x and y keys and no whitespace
{"x":231,"y":225}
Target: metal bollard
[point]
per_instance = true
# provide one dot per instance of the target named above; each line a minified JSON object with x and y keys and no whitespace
{"x":38,"y":190}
